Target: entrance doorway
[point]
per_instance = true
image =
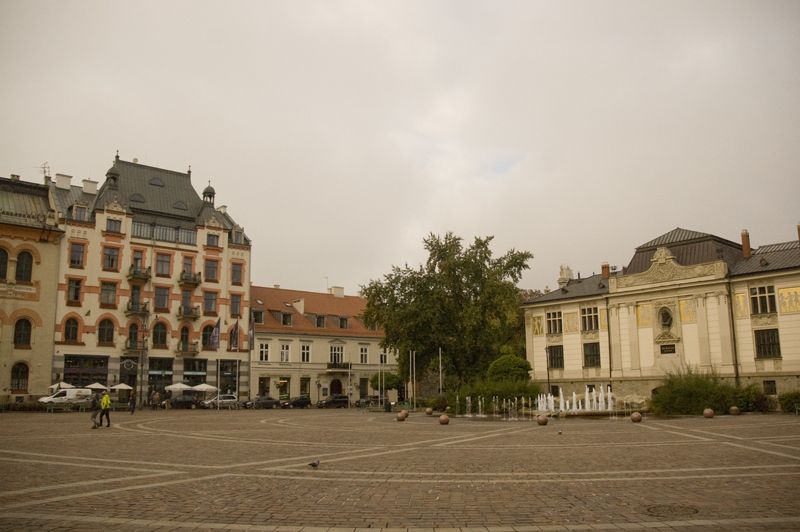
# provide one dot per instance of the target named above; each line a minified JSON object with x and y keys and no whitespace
{"x":336,"y":386}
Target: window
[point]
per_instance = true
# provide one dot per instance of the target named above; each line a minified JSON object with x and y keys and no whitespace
{"x":589,"y":319}
{"x":76,"y":254}
{"x":263,"y":352}
{"x":343,"y":323}
{"x":320,"y":321}
{"x":208,"y":337}
{"x":138,"y":260}
{"x":24,"y":267}
{"x":555,"y":356}
{"x":210,"y":303}
{"x":113,"y":226}
{"x":161,"y":299}
{"x":768,"y":343}
{"x":364,"y":354}
{"x":286,"y":319}
{"x":236,"y":305}
{"x":554,"y":322}
{"x":762,"y":300}
{"x":284,"y":352}
{"x":19,"y":378}
{"x":186,"y":301}
{"x":238,"y":237}
{"x":212,"y":240}
{"x":236,"y":273}
{"x":305,"y":353}
{"x":384,"y":357}
{"x":591,"y":355}
{"x":337,"y":354}
{"x":233,"y":339}
{"x":211,"y":270}
{"x":160,"y":335}
{"x":22,"y":333}
{"x":184,"y":346}
{"x":79,"y":213}
{"x":770,"y":388}
{"x":74,"y":291}
{"x":105,"y":332}
{"x":258,"y":316}
{"x":162,"y":264}
{"x":71,"y":330}
{"x":111,"y":259}
{"x":188,"y":265}
{"x":3,"y":264}
{"x":108,"y":294}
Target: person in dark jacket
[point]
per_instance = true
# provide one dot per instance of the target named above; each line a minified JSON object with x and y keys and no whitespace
{"x":95,"y":408}
{"x":132,"y":402}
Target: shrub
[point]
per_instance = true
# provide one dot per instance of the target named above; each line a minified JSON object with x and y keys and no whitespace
{"x":789,"y":401}
{"x":509,"y":368}
{"x":750,"y":399}
{"x":689,"y":392}
{"x":439,"y":404}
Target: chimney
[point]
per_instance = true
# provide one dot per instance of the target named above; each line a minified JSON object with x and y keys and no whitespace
{"x":63,"y":181}
{"x":746,"y":244}
{"x":89,"y":186}
{"x":336,"y":291}
{"x":222,"y":208}
{"x":14,"y":177}
{"x":300,"y":305}
{"x":605,"y":271}
{"x":47,"y":180}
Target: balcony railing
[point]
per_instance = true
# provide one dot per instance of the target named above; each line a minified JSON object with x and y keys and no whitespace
{"x":136,"y":308}
{"x":187,"y":349}
{"x":339,"y":365}
{"x":137,"y":273}
{"x":190,"y":279}
{"x":188,"y":313}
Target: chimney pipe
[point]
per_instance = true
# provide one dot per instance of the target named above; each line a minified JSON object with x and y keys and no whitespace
{"x":605,"y":271}
{"x":746,"y":251}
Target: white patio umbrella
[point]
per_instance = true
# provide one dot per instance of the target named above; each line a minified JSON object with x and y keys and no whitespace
{"x":177,"y":387}
{"x":121,"y":386}
{"x":204,"y":388}
{"x":60,"y":386}
{"x":97,"y":386}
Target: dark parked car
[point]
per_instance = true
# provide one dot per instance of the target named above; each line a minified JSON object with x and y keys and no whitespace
{"x":265,"y":401}
{"x":183,"y":401}
{"x":301,"y":401}
{"x":334,"y":401}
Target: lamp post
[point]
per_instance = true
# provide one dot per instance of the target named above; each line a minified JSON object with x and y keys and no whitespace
{"x":143,"y":362}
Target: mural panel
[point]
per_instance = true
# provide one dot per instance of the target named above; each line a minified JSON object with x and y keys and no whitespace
{"x":789,"y":300}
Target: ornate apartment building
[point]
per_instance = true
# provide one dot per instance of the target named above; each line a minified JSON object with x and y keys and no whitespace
{"x":153,"y":283}
{"x":315,"y":344}
{"x":686,"y":299}
{"x":29,"y":248}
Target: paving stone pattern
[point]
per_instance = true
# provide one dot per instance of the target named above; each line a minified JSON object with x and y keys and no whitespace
{"x":248,"y":470}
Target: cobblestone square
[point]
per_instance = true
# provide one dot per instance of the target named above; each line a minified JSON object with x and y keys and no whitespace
{"x":248,"y":470}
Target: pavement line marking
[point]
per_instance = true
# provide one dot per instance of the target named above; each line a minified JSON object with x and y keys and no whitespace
{"x":766,"y":451}
{"x":792,"y":447}
{"x":76,"y":464}
{"x":85,"y":483}
{"x":345,"y":458}
{"x":657,"y":426}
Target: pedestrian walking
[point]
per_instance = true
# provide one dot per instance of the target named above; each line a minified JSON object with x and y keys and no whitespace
{"x":153,"y":400}
{"x":157,"y":400}
{"x":132,"y":402}
{"x":95,"y":408}
{"x":105,"y":408}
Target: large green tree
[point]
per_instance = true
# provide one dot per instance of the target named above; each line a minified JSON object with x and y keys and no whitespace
{"x":462,"y":300}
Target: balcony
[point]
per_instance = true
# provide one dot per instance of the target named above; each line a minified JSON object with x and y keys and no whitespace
{"x":334,"y":367}
{"x":188,"y":313}
{"x":187,"y":349}
{"x":139,"y":274}
{"x":190,"y":280}
{"x":135,"y":308}
{"x":134,"y":347}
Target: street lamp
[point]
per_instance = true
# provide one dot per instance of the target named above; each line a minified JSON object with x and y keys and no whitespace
{"x":142,"y":361}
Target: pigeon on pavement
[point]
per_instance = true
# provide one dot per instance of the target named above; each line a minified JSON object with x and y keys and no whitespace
{"x":314,"y":464}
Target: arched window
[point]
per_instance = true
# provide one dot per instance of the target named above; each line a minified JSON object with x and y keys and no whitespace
{"x":71,"y":330}
{"x":185,"y":339}
{"x":3,"y":263}
{"x":105,"y":332}
{"x":133,"y":336}
{"x":159,"y":335}
{"x":19,"y":378}
{"x":22,"y":333}
{"x":24,"y":267}
{"x":208,"y":333}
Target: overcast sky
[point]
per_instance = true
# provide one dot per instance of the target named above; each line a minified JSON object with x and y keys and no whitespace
{"x":339,"y":134}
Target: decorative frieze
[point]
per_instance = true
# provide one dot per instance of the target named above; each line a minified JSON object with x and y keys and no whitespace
{"x":789,"y":300}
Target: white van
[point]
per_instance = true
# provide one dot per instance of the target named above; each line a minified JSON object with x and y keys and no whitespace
{"x":69,"y":395}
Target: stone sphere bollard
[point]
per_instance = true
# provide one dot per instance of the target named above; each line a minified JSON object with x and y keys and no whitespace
{"x":708,"y":413}
{"x":400,"y":417}
{"x":404,"y":412}
{"x":636,"y":417}
{"x":444,"y":419}
{"x":429,"y":411}
{"x":541,"y":419}
{"x":734,"y":411}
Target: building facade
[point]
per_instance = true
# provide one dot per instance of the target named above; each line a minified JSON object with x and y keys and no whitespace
{"x":29,"y":248}
{"x":153,"y":283}
{"x":315,"y":344}
{"x":685,"y":300}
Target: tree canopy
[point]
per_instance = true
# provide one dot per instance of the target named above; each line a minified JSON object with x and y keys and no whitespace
{"x":462,"y":300}
{"x":509,"y":368}
{"x":391,"y":381}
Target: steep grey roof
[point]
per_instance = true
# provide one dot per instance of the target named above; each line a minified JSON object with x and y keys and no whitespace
{"x":688,"y":247}
{"x":24,"y":204}
{"x":594,"y":286}
{"x":772,"y":257}
{"x":66,"y":198}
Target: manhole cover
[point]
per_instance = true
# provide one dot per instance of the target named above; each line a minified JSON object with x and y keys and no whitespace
{"x":671,"y":510}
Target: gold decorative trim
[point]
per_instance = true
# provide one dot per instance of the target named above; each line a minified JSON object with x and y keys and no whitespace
{"x":665,"y":268}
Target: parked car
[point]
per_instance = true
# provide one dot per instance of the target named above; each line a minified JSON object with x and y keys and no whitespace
{"x":265,"y":401}
{"x":183,"y":401}
{"x":301,"y":401}
{"x":372,"y":400}
{"x":221,"y":401}
{"x":334,"y":401}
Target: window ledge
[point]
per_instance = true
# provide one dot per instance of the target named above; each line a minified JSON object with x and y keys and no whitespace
{"x":108,"y":305}
{"x":73,"y":303}
{"x":25,"y":347}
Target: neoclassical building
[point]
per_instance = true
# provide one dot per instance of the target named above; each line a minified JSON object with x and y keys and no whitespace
{"x":315,"y":344}
{"x":29,"y":248}
{"x":153,"y":283}
{"x":686,"y":299}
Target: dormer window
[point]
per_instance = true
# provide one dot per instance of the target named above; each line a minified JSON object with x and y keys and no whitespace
{"x":113,"y":226}
{"x":343,"y":323}
{"x":286,"y":319}
{"x":79,"y":213}
{"x":321,"y":321}
{"x":238,"y":237}
{"x":212,"y":240}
